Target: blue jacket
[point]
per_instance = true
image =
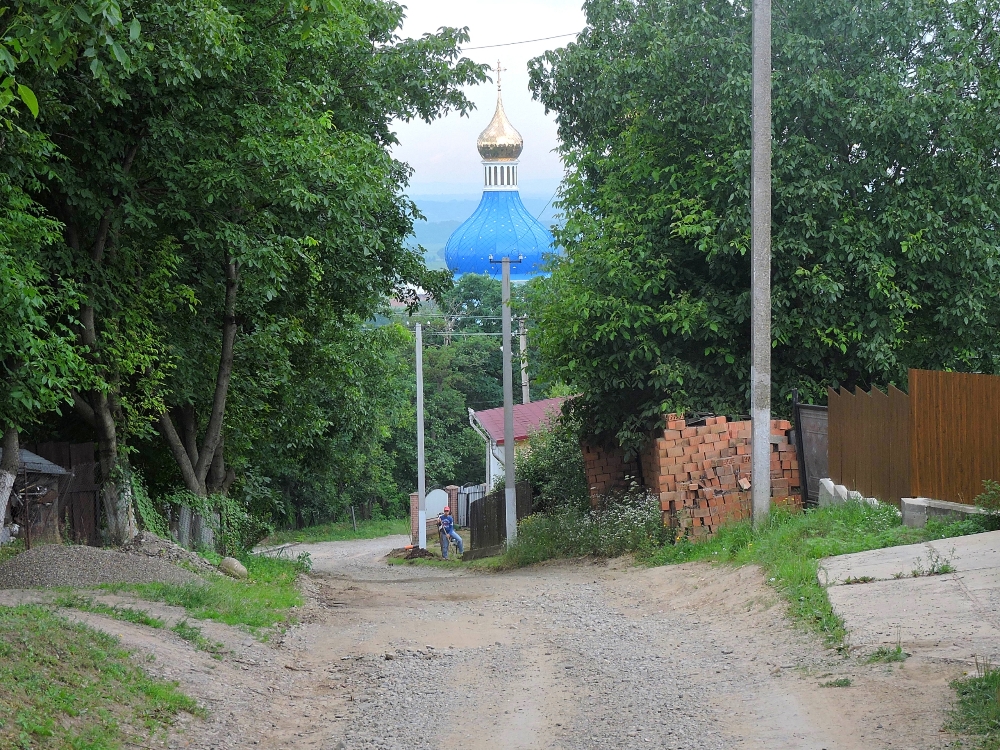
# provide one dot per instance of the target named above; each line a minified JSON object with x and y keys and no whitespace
{"x":447,"y":524}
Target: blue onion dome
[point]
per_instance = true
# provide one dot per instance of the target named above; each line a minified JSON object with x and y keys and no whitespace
{"x":501,"y":225}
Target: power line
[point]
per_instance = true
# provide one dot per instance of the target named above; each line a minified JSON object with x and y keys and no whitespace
{"x":526,"y":41}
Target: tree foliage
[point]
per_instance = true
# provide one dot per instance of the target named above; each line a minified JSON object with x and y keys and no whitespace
{"x":886,"y":197}
{"x":216,"y":213}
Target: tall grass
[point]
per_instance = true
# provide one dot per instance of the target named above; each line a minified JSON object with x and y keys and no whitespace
{"x":978,"y":710}
{"x":627,"y":523}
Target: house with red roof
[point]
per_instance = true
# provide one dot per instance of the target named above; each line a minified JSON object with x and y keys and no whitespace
{"x":528,"y":418}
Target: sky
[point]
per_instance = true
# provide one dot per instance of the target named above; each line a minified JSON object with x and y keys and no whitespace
{"x":443,"y":154}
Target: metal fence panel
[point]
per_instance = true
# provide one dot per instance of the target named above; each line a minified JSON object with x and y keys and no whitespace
{"x":956,"y":434}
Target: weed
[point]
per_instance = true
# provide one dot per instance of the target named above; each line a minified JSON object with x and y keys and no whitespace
{"x":335,"y":532}
{"x":839,"y":682}
{"x":889,"y":654}
{"x":627,"y":522}
{"x":978,"y":709}
{"x":11,"y":549}
{"x":192,"y":634}
{"x":260,"y":603}
{"x":64,"y":685}
{"x":860,"y":579}
{"x":937,"y":565}
{"x":126,"y":614}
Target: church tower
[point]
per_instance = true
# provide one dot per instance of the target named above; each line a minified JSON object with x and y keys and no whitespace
{"x":501,"y":225}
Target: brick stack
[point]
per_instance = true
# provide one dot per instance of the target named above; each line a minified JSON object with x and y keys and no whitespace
{"x":702,"y":474}
{"x":606,"y":469}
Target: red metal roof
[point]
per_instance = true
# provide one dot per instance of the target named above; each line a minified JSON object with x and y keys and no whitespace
{"x":528,"y":418}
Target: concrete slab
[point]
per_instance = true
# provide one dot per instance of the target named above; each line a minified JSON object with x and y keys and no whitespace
{"x":916,"y":510}
{"x":954,"y":616}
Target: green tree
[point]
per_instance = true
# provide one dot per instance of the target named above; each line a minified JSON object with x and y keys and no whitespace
{"x":38,"y":364}
{"x":886,"y":199}
{"x":231,"y":180}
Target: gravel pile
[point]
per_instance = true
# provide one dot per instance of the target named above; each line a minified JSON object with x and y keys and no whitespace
{"x":77,"y":566}
{"x":146,"y":544}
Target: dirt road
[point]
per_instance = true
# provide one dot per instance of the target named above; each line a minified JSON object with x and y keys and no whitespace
{"x":569,"y":655}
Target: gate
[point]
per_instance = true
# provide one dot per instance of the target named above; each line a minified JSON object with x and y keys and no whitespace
{"x":80,"y":507}
{"x":488,"y":520}
{"x":811,"y":440}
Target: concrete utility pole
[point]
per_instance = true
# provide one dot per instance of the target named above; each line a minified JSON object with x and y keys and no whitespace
{"x":421,"y":482}
{"x":510,"y":492}
{"x":525,"y":385}
{"x":760,"y":263}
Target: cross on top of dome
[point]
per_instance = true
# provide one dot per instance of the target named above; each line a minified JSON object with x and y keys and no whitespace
{"x":500,"y":141}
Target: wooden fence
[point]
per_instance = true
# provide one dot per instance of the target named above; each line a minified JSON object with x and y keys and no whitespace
{"x":940,"y":441}
{"x":488,"y":518}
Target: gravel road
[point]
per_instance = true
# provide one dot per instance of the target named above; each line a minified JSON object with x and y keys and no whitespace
{"x":79,"y":566}
{"x":565,"y":656}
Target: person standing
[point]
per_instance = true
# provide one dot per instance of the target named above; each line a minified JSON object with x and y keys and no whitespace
{"x":446,"y":528}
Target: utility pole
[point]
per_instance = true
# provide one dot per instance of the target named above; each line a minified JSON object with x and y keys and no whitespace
{"x":525,"y":385}
{"x":421,"y":482}
{"x":510,"y":491}
{"x":760,"y":263}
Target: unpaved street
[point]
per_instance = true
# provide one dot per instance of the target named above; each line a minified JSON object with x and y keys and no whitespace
{"x":567,"y":655}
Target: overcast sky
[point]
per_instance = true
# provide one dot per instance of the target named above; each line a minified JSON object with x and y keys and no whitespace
{"x":444,"y":153}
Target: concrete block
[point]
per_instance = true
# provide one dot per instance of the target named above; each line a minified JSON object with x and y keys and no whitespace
{"x":827,"y":495}
{"x":916,"y":510}
{"x":842,"y":493}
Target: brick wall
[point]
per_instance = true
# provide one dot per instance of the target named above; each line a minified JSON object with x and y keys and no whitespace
{"x":414,"y":518}
{"x":606,"y":469}
{"x":701,"y":474}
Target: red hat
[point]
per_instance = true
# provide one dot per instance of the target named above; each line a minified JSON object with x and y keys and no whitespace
{"x":447,"y":509}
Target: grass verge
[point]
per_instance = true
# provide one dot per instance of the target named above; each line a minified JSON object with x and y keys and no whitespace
{"x":192,"y":634}
{"x":337,"y":532}
{"x":73,"y":600}
{"x":259,"y":604}
{"x":789,"y":546}
{"x":977,"y":712}
{"x":64,"y":685}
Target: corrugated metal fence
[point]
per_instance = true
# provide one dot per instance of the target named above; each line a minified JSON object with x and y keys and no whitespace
{"x":940,"y":441}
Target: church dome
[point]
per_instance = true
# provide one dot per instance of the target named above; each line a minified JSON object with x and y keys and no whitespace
{"x":500,"y":226}
{"x":500,"y":141}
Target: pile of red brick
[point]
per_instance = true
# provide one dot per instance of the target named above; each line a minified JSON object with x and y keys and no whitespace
{"x":703,"y":477}
{"x":606,"y":469}
{"x":701,"y":474}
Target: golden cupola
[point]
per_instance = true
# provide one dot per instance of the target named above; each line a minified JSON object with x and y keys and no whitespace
{"x":500,"y":141}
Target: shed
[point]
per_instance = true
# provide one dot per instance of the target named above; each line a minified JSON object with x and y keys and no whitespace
{"x":528,"y":418}
{"x":34,"y":502}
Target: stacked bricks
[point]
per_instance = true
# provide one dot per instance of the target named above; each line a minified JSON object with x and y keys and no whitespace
{"x":606,"y":470}
{"x":702,"y":474}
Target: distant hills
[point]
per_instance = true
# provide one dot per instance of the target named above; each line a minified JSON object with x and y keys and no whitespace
{"x":443,"y":216}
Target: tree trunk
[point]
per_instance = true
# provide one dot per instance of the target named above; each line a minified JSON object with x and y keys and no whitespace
{"x":8,"y":473}
{"x":203,"y":469}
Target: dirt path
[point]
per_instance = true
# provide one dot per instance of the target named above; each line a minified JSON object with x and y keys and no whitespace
{"x":569,"y":655}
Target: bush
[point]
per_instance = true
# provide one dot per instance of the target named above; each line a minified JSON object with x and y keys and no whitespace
{"x":553,"y":464}
{"x":990,"y":502}
{"x":624,"y":522}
